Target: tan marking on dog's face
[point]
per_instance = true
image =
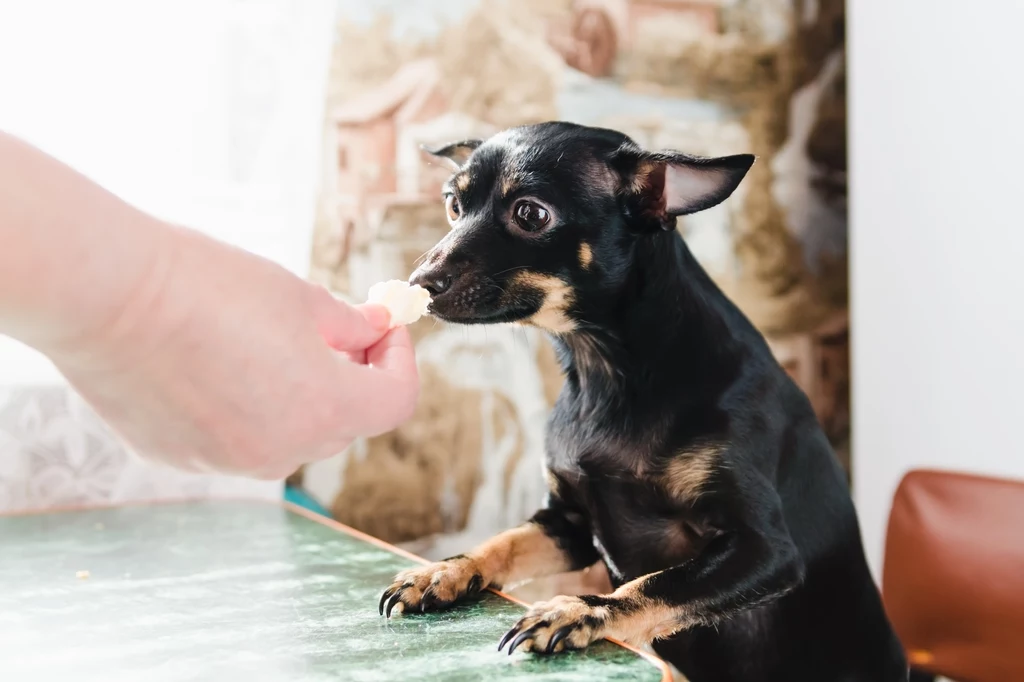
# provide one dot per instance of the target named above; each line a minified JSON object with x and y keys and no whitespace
{"x":688,"y":472}
{"x":462,"y":181}
{"x":558,"y":296}
{"x":508,"y":185}
{"x":586,"y":256}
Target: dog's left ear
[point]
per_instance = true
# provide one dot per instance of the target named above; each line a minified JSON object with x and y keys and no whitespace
{"x":457,"y":152}
{"x":663,"y":185}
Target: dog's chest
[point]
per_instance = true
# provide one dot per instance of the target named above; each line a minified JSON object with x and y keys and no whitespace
{"x":636,"y":527}
{"x":577,"y":441}
{"x":583,"y":433}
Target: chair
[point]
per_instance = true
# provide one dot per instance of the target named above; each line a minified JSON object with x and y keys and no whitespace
{"x":953,"y":576}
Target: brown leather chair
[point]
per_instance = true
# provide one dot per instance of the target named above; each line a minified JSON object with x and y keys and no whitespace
{"x":953,"y":579}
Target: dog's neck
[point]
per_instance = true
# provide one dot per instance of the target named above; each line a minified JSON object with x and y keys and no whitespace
{"x":669,"y":324}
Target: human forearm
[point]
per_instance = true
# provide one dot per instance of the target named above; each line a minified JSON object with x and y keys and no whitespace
{"x":197,"y":353}
{"x":72,"y":255}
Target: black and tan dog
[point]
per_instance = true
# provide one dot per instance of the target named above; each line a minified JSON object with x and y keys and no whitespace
{"x":679,"y":452}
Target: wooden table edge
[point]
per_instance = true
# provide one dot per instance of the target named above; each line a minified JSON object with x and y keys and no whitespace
{"x":666,"y":674}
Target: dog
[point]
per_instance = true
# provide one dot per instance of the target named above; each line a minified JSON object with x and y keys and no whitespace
{"x":679,"y":452}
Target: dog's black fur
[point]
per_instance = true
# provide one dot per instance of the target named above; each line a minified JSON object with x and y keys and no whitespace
{"x":679,"y":451}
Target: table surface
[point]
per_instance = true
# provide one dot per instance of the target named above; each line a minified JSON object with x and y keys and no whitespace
{"x":242,"y":590}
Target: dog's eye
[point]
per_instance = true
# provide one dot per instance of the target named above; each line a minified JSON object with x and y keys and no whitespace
{"x":531,"y":217}
{"x":452,"y":208}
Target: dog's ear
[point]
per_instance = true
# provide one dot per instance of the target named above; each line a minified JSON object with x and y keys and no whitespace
{"x":660,"y":186}
{"x":456,"y":153}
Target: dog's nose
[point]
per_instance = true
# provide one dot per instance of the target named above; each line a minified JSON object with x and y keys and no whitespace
{"x":434,"y":281}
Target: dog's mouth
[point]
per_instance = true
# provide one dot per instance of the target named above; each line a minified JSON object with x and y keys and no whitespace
{"x":460,"y":315}
{"x":479,"y":302}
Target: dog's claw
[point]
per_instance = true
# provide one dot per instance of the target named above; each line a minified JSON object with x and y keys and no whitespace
{"x":392,"y":602}
{"x":523,"y":636}
{"x":428,"y":600}
{"x":476,"y":584}
{"x":559,"y":635}
{"x":384,"y":597}
{"x":508,"y":635}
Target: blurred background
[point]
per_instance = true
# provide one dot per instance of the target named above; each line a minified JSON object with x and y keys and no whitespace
{"x":292,"y":129}
{"x":705,"y":76}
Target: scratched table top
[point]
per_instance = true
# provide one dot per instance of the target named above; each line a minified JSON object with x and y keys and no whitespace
{"x":242,"y":591}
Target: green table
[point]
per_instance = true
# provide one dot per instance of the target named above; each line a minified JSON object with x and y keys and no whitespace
{"x":241,"y":591}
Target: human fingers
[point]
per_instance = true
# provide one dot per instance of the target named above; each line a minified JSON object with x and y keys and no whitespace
{"x":388,"y":386}
{"x":350,"y":327}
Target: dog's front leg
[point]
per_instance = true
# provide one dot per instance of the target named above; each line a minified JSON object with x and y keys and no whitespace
{"x":753,"y":563}
{"x":557,"y":539}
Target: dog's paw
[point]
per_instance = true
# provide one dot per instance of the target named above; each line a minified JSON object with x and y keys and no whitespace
{"x":556,"y":625}
{"x":433,"y":587}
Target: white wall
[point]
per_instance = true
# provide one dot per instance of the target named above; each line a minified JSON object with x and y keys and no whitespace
{"x":205,"y":112}
{"x":937,"y":243}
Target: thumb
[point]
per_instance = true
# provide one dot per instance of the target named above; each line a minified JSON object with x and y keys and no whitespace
{"x":351,"y":328}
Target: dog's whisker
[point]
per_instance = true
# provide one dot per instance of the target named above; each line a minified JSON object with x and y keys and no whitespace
{"x":501,"y":291}
{"x":517,"y":267}
{"x":419,"y":259}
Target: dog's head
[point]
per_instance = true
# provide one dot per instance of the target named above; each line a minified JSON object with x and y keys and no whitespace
{"x":545,"y":219}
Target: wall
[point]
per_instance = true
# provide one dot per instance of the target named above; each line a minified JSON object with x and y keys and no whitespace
{"x":936,"y":243}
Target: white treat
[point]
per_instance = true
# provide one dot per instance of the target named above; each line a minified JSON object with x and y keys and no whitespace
{"x":82,"y":575}
{"x":406,"y":302}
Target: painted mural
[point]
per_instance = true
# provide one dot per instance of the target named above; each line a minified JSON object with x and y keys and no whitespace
{"x":708,"y":77}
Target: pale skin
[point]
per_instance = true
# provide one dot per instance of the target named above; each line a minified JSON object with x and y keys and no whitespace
{"x":197,"y":354}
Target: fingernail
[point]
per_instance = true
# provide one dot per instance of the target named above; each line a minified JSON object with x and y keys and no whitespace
{"x":377,"y":316}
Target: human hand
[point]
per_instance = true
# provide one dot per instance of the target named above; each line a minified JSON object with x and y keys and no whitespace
{"x":223,"y":360}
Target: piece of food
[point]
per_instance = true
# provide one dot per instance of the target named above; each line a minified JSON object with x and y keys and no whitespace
{"x":82,"y":575}
{"x":406,"y":302}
